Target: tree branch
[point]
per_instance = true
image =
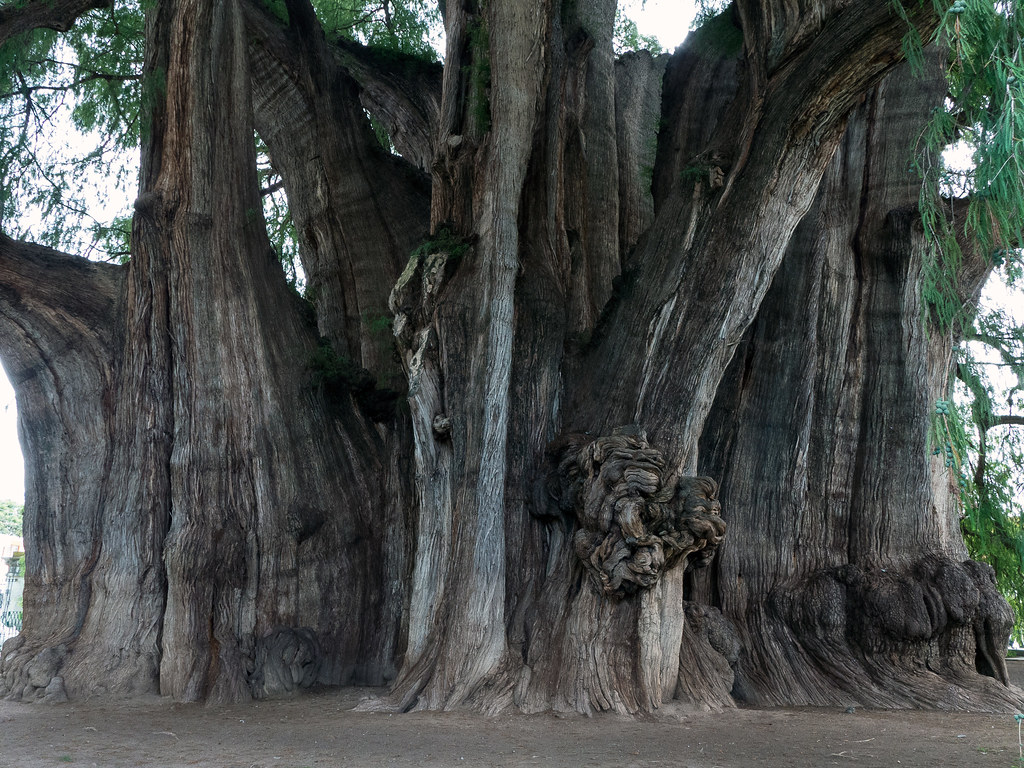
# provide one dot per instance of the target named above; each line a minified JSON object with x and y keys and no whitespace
{"x":59,"y":15}
{"x":774,"y":137}
{"x":71,"y":85}
{"x":53,"y":300}
{"x":401,"y":91}
{"x":1007,"y":419}
{"x":272,"y":188}
{"x":358,"y":210}
{"x":994,"y":421}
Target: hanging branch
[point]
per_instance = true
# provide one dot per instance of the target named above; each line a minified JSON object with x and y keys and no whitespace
{"x":58,"y":15}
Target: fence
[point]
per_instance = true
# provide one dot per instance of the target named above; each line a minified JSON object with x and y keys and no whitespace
{"x":10,"y":605}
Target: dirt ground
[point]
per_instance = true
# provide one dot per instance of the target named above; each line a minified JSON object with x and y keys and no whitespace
{"x":320,"y":730}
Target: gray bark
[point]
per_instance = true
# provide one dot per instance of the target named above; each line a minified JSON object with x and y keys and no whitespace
{"x":634,"y":269}
{"x":879,"y":571}
{"x":241,"y":510}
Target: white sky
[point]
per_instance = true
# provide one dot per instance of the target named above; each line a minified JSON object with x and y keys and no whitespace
{"x":12,"y":472}
{"x":667,"y":20}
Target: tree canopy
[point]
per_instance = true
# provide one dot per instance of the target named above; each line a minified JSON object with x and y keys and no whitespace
{"x":11,"y":516}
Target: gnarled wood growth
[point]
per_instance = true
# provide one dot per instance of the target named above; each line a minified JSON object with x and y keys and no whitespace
{"x":645,"y":241}
{"x":632,"y":522}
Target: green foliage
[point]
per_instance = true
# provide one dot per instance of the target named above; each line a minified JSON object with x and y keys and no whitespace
{"x":984,"y":114}
{"x":694,"y":173}
{"x":946,"y":434}
{"x":986,"y":80}
{"x":70,"y":195}
{"x":628,"y":38}
{"x":707,"y":10}
{"x":329,"y":369}
{"x":990,"y":476}
{"x":50,"y":86}
{"x":913,"y":45}
{"x":339,"y":377}
{"x":996,"y":537}
{"x":444,"y":240}
{"x":980,"y":207}
{"x":114,"y":239}
{"x":985,"y":458}
{"x":403,"y":27}
{"x":90,"y":80}
{"x":12,"y":518}
{"x":108,"y":47}
{"x":379,"y":325}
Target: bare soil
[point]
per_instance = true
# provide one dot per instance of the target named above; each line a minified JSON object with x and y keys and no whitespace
{"x":321,"y":729}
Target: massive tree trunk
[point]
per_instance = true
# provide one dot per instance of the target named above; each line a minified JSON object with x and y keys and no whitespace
{"x":617,"y":273}
{"x":844,"y":571}
{"x":238,"y":525}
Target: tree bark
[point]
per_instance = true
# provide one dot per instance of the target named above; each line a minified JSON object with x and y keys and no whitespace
{"x":59,"y":335}
{"x":467,"y":465}
{"x":864,"y":595}
{"x":250,"y":533}
{"x":22,"y":18}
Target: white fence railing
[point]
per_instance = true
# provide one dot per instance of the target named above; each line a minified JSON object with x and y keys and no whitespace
{"x":10,"y":607}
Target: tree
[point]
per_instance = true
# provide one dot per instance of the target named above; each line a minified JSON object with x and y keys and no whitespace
{"x":990,"y":482}
{"x":10,"y":518}
{"x":601,"y":277}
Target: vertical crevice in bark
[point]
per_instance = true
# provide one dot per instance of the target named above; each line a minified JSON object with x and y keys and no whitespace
{"x":638,"y":89}
{"x":576,"y":636}
{"x":402,"y":91}
{"x":287,"y":511}
{"x":773,"y":156}
{"x":588,"y":28}
{"x":250,"y":527}
{"x":200,"y":200}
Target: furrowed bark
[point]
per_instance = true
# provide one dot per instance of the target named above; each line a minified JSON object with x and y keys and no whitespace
{"x":401,"y":91}
{"x":616,"y":251}
{"x":458,"y":619}
{"x":762,"y":171}
{"x":638,"y":78}
{"x":250,"y":534}
{"x":574,"y":650}
{"x":264,"y":543}
{"x":358,"y":211}
{"x":58,"y":336}
{"x":870,"y":601}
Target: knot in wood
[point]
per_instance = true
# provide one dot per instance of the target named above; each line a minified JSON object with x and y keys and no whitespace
{"x":287,"y":659}
{"x":634,"y":520}
{"x":442,"y":426}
